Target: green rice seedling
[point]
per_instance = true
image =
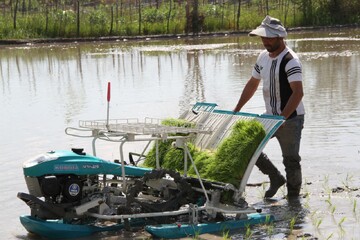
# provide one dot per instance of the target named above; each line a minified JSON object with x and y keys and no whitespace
{"x":312,"y":216}
{"x":341,"y":228}
{"x":354,"y":206}
{"x":315,"y":219}
{"x":326,"y":179}
{"x":163,"y":148}
{"x":227,"y":164}
{"x":166,"y":151}
{"x":330,"y":236}
{"x":177,"y":123}
{"x":341,"y":233}
{"x":347,"y":181}
{"x":355,"y":209}
{"x":292,"y":224}
{"x":234,"y":153}
{"x":268,"y":225}
{"x":305,"y":188}
{"x":328,"y":200}
{"x":268,"y":219}
{"x":326,"y":184}
{"x":270,"y":229}
{"x":332,"y":210}
{"x":174,"y":157}
{"x":307,"y":205}
{"x":196,"y":236}
{"x":318,"y":223}
{"x":342,"y":220}
{"x":248,"y":233}
{"x":307,"y":202}
{"x":225,"y":235}
{"x":202,"y":160}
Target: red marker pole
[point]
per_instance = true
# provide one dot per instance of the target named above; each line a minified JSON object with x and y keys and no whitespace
{"x":108,"y":104}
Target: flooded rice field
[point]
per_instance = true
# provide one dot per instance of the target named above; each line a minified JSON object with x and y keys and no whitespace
{"x":46,"y":88}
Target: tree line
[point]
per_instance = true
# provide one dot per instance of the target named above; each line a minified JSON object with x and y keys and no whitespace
{"x":21,"y":19}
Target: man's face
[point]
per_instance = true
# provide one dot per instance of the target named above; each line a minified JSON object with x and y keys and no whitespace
{"x":271,"y":44}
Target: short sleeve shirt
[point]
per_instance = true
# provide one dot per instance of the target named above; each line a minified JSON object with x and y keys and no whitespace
{"x":276,"y":74}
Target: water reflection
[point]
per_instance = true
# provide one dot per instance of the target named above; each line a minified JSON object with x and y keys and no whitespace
{"x":193,"y":85}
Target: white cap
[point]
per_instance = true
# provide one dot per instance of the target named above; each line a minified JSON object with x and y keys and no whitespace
{"x":270,"y":27}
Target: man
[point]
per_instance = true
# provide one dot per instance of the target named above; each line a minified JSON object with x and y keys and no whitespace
{"x":281,"y":72}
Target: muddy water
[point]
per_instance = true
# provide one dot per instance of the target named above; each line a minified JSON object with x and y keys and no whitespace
{"x":45,"y":88}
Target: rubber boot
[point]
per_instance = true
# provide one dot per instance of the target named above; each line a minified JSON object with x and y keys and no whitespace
{"x":294,"y":183}
{"x":268,"y":168}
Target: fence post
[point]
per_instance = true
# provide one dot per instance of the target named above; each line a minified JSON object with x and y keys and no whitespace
{"x":77,"y":18}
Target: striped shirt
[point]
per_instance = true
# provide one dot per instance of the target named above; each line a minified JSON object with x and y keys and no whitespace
{"x":276,"y":74}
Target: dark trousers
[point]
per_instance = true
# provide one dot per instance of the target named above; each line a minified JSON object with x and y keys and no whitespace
{"x":288,"y":136}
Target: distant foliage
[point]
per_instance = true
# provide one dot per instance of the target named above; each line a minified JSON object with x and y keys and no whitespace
{"x":44,"y":19}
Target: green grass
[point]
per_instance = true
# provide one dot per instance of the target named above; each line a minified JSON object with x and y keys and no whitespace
{"x":169,"y":17}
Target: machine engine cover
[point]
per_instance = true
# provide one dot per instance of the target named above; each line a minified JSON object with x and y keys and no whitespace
{"x":50,"y":186}
{"x":72,"y":189}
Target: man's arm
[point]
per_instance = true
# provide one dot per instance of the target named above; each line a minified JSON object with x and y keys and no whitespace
{"x":294,"y":100}
{"x":247,"y":93}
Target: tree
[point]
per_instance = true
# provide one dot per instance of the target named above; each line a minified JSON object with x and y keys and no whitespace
{"x":238,"y":15}
{"x":15,"y":12}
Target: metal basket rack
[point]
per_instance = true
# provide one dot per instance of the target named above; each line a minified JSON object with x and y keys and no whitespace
{"x":150,"y":126}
